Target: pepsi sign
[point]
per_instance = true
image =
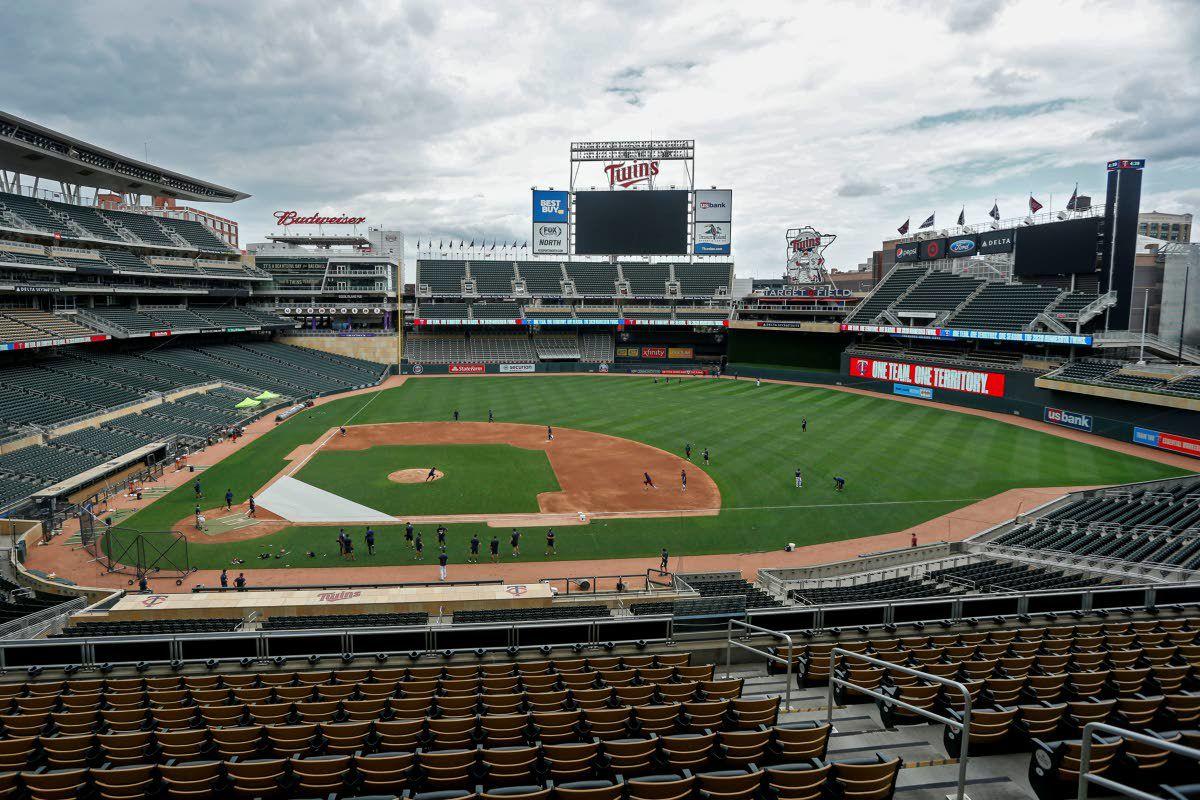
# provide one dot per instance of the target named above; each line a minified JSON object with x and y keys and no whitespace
{"x":908,"y":251}
{"x":1068,"y":419}
{"x":961,"y":247}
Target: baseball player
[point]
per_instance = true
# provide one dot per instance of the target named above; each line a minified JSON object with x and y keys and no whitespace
{"x":516,"y":542}
{"x":705,"y":454}
{"x":432,"y":474}
{"x":441,"y":537}
{"x":799,"y":480}
{"x":647,"y":482}
{"x":687,"y":451}
{"x":253,"y":505}
{"x":442,"y":559}
{"x":550,"y":548}
{"x":408,"y":533}
{"x":419,"y":546}
{"x":495,"y":548}
{"x":683,"y":478}
{"x":839,"y":483}
{"x":474,"y":557}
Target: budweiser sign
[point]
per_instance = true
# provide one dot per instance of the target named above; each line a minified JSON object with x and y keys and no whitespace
{"x":626,"y":175}
{"x":286,"y":218}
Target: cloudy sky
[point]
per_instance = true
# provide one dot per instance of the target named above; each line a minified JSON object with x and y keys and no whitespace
{"x":437,"y":118}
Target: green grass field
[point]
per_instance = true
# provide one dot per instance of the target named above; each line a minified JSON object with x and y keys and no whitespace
{"x":903,"y":463}
{"x":479,"y":478}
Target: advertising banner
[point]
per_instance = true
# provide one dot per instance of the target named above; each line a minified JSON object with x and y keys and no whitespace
{"x":931,"y":249}
{"x":996,"y":242}
{"x":681,"y":352}
{"x":956,"y":380}
{"x":966,"y":333}
{"x":961,"y":246}
{"x":517,"y":368}
{"x":908,"y":251}
{"x":682,"y":372}
{"x":627,"y":352}
{"x":712,"y":238}
{"x":1167,"y":441}
{"x":1067,"y":419}
{"x":920,"y":392}
{"x":714,"y":205}
{"x":463,"y":369}
{"x":551,"y":238}
{"x":550,"y":206}
{"x":654,"y":352}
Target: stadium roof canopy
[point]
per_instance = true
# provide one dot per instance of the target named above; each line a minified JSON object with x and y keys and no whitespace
{"x":319,"y":240}
{"x":31,"y":149}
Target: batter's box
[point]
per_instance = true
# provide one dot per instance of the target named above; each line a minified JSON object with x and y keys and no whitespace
{"x":231,"y":522}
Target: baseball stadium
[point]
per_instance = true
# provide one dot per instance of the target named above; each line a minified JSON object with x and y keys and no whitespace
{"x":588,"y":515}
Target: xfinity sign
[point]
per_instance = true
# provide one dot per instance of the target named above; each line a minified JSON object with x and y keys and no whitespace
{"x":1068,"y":419}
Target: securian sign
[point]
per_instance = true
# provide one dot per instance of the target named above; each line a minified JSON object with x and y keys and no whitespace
{"x":623,"y":175}
{"x":286,"y":218}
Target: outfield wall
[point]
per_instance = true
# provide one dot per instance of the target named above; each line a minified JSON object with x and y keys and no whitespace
{"x":1008,"y":392}
{"x":382,"y":348}
{"x":791,"y":348}
{"x":638,"y":368}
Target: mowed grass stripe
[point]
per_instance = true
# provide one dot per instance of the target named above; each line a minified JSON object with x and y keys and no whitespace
{"x":904,"y":463}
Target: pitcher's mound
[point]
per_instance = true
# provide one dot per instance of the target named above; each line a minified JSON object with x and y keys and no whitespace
{"x":413,"y":475}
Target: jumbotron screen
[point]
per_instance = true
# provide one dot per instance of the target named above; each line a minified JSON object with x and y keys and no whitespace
{"x":631,"y":223}
{"x":1058,"y":248}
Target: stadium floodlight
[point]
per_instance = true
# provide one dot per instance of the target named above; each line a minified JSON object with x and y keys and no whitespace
{"x":944,"y":232}
{"x":1061,"y":215}
{"x":995,"y":226}
{"x":967,"y":229}
{"x":1027,"y":221}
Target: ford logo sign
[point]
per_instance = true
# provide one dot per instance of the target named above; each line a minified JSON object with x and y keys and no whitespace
{"x":962,"y":246}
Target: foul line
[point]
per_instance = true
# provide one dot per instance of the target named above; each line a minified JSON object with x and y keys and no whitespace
{"x":296,"y":467}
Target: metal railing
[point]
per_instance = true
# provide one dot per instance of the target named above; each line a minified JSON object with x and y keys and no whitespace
{"x":730,"y":644}
{"x":48,"y":620}
{"x":1085,"y":759}
{"x":964,"y":726}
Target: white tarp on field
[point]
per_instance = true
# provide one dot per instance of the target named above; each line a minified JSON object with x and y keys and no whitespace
{"x":297,"y":501}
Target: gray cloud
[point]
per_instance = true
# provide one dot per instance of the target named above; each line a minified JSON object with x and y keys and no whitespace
{"x":437,"y":118}
{"x":859,"y":187}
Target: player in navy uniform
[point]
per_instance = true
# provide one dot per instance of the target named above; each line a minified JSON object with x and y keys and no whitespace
{"x":839,"y":483}
{"x":370,"y":540}
{"x":647,"y":482}
{"x":495,"y":547}
{"x":550,"y":548}
{"x":799,"y":480}
{"x":665,"y":558}
{"x":474,"y":557}
{"x":408,"y":533}
{"x":687,"y":451}
{"x":228,"y":499}
{"x":705,"y":454}
{"x":419,"y":546}
{"x":441,"y":537}
{"x":442,"y":559}
{"x":803,"y":424}
{"x":516,"y":542}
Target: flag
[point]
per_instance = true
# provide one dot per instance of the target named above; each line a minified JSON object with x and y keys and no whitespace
{"x":524,"y":246}
{"x":493,"y":245}
{"x":962,"y":216}
{"x":439,"y":244}
{"x":1034,"y":205}
{"x":903,"y":229}
{"x":1074,"y":198}
{"x":929,"y":222}
{"x":472,"y":243}
{"x":995,"y":212}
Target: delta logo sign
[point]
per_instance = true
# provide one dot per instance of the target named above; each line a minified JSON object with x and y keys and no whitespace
{"x":1068,"y":419}
{"x":626,"y":175}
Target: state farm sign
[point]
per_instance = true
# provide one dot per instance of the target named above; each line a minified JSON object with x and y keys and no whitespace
{"x":956,"y":380}
{"x":286,"y":218}
{"x":626,"y":175}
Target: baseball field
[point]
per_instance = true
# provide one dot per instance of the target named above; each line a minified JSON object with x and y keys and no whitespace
{"x":902,"y":464}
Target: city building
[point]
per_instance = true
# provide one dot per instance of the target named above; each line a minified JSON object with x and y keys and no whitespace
{"x":1168,"y":227}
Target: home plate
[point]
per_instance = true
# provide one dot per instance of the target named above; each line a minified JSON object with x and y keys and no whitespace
{"x":297,"y":501}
